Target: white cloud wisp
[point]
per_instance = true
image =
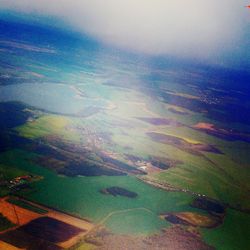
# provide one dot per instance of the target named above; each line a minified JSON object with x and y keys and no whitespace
{"x":198,"y":28}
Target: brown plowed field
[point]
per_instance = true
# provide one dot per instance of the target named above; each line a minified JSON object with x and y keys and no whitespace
{"x":16,"y":214}
{"x":25,"y":218}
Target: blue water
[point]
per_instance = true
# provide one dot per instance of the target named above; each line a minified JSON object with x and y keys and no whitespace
{"x":55,"y":98}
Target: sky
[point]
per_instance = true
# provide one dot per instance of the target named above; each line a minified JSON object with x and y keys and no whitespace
{"x":183,"y":28}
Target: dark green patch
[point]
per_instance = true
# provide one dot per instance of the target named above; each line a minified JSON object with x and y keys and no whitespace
{"x":119,"y":191}
{"x":5,"y":223}
{"x":27,"y":205}
{"x":211,"y":206}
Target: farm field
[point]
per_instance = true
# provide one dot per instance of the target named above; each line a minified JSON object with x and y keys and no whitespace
{"x":30,"y":229}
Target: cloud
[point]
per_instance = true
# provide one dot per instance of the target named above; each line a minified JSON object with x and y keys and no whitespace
{"x":171,"y":27}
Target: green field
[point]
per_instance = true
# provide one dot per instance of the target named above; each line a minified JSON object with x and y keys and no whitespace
{"x":81,"y":196}
{"x":135,"y":221}
{"x":223,"y":177}
{"x":233,"y":234}
{"x":215,"y":175}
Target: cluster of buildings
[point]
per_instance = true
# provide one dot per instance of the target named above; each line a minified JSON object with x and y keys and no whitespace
{"x":20,"y":181}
